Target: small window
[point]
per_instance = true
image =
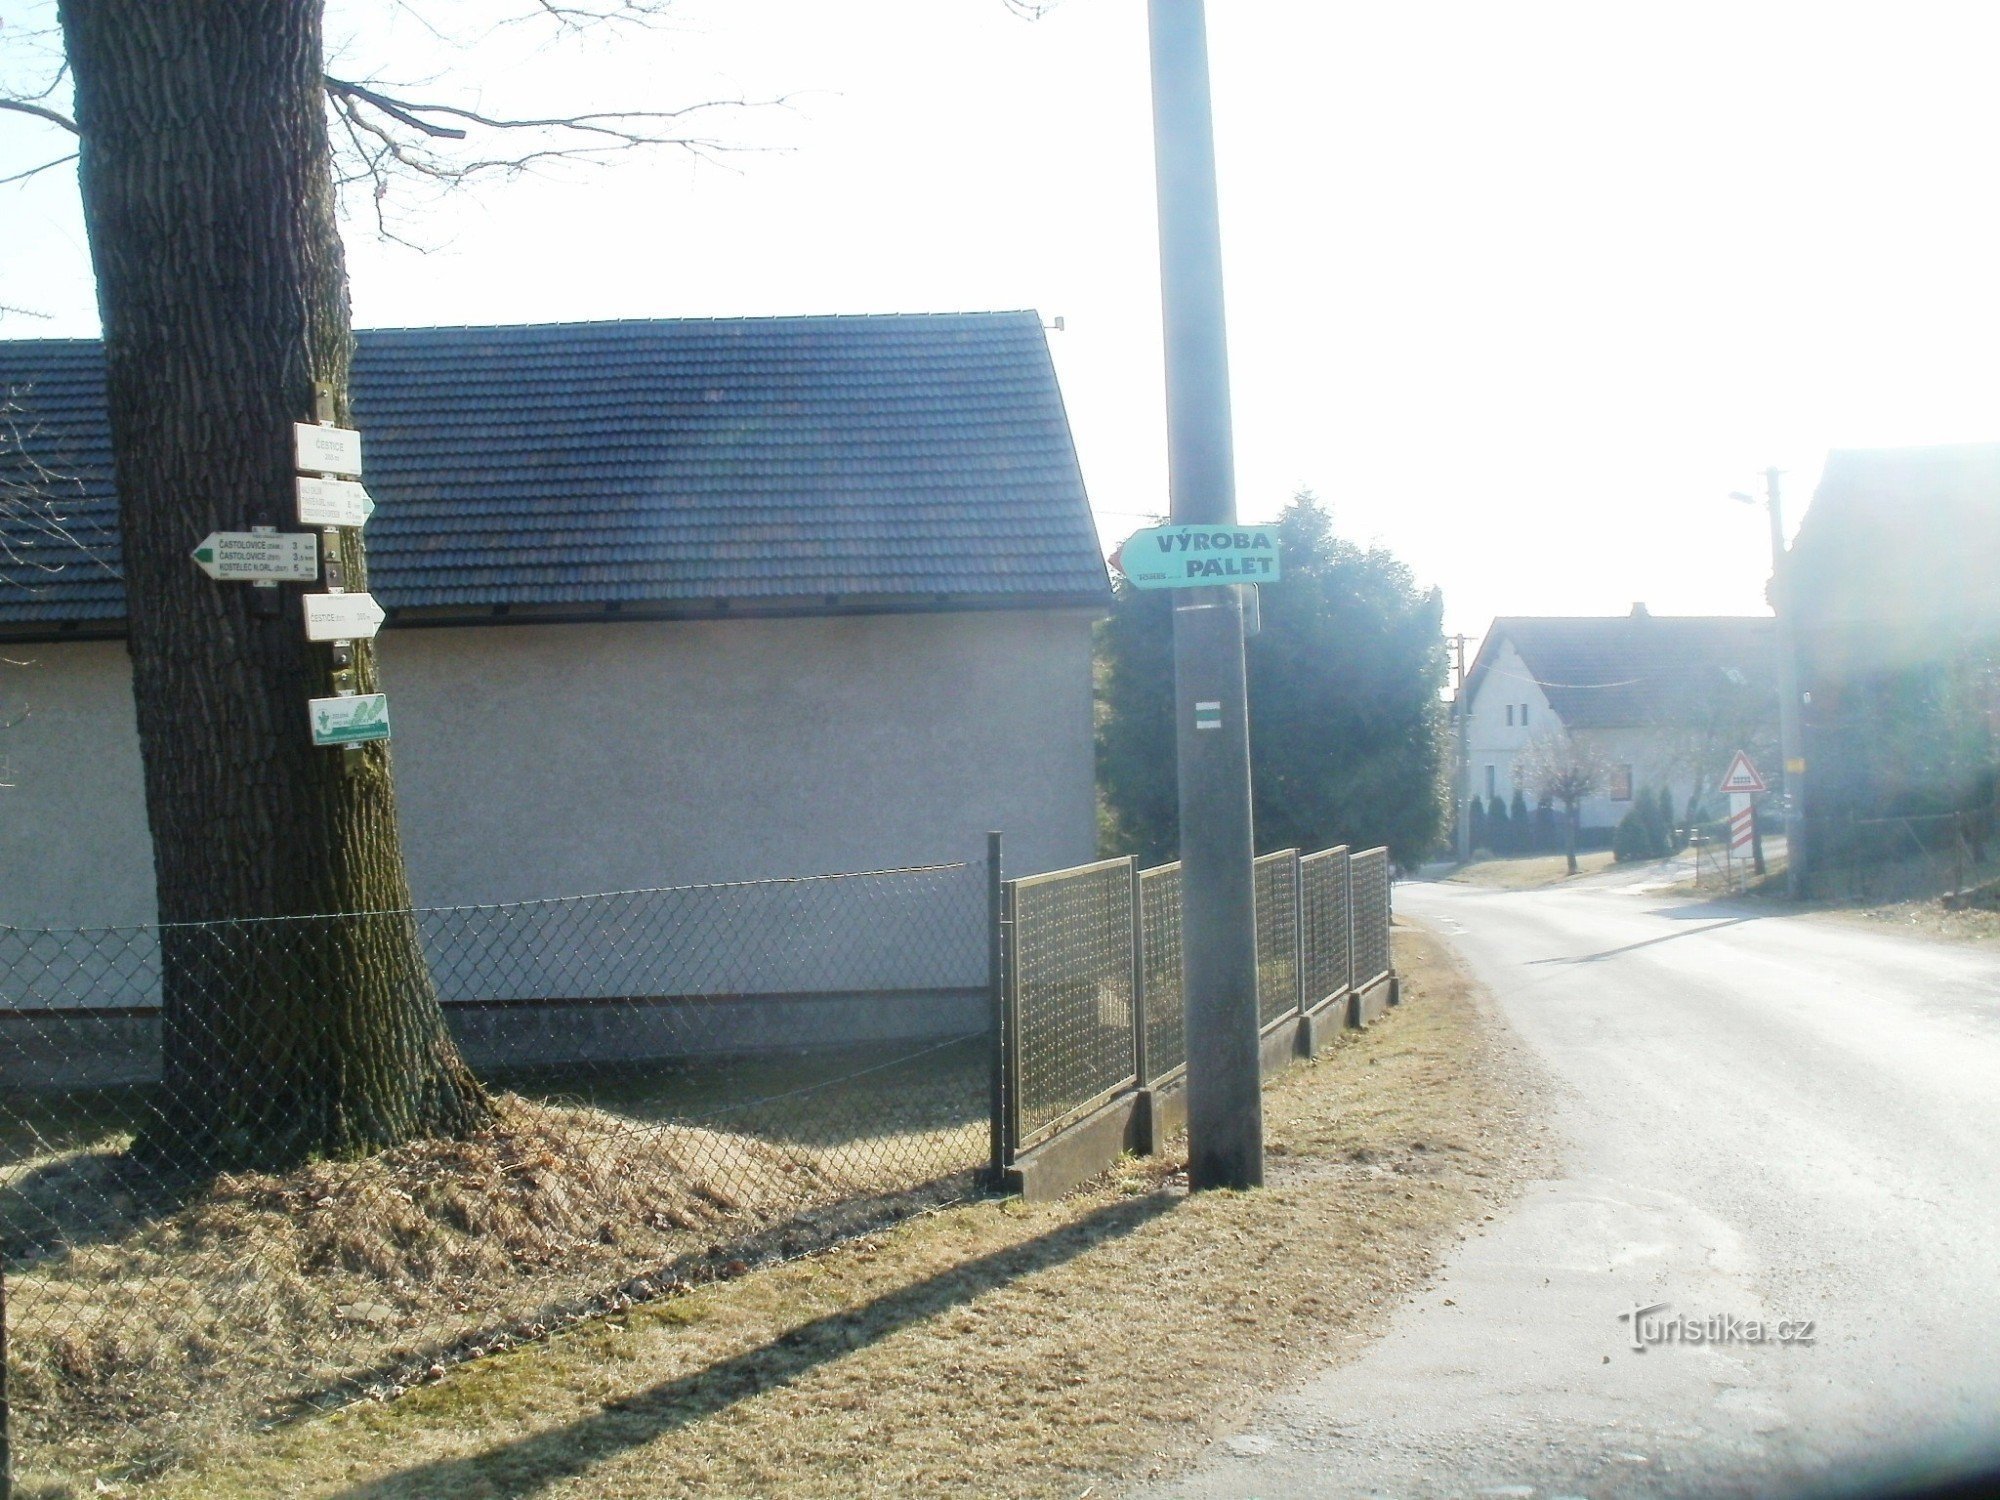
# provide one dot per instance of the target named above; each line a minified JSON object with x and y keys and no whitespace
{"x":1621,"y":783}
{"x":1510,"y":716}
{"x":1489,"y":783}
{"x":1524,"y":716}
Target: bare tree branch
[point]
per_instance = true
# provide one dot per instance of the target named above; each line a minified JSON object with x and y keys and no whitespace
{"x":31,"y":504}
{"x":385,"y":134}
{"x":40,"y":112}
{"x":47,"y":166}
{"x":351,"y":94}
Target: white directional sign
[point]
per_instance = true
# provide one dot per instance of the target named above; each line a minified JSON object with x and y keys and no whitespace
{"x":1742,"y":776}
{"x":342,"y":617}
{"x":259,"y":556}
{"x":333,"y":502}
{"x":327,"y":450}
{"x":352,"y":720}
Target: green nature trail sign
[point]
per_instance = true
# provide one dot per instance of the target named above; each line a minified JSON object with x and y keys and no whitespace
{"x":1190,"y":557}
{"x":350,"y":720}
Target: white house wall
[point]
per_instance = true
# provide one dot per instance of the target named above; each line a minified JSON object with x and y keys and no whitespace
{"x":550,"y":760}
{"x":73,"y":842}
{"x":1491,"y":739}
{"x":1494,"y":742}
{"x":537,"y":761}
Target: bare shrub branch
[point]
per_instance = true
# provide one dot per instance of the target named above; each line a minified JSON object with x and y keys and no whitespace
{"x":32,"y":504}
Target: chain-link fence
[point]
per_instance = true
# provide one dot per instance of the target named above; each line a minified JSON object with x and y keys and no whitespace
{"x":1368,"y":876}
{"x":1920,"y":857}
{"x":1077,"y":1036}
{"x":1325,"y":945}
{"x":668,"y":1082}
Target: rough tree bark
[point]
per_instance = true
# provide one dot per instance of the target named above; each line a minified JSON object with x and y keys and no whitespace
{"x":209,"y":200}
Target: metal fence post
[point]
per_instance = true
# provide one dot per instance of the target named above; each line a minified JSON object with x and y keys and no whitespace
{"x":1347,"y":906}
{"x":1141,"y":1065}
{"x":996,"y":993}
{"x":1298,"y":938}
{"x":6,"y":1411}
{"x":1010,"y":1026}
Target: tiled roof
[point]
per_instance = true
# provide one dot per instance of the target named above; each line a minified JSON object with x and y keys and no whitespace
{"x":761,"y":461}
{"x":1625,"y":671}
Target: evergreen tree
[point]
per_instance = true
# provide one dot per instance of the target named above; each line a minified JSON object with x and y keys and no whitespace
{"x":1347,"y":727}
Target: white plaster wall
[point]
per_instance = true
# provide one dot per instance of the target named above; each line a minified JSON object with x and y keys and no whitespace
{"x":551,"y":760}
{"x":1641,"y":750}
{"x":562,"y":759}
{"x":73,"y":843}
{"x":1490,"y":739}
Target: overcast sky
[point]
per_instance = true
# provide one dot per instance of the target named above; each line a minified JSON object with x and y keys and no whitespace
{"x":1523,"y":291}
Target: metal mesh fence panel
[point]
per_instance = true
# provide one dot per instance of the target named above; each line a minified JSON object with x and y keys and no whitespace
{"x":676,"y":1080}
{"x":1160,"y":963}
{"x":1071,"y":994}
{"x":1323,"y":925}
{"x":1277,"y":897}
{"x":1371,"y":915}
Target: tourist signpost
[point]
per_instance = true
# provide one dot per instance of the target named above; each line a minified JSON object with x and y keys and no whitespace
{"x":258,"y":556}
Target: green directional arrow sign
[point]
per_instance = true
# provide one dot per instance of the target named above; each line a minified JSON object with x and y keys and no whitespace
{"x":1190,"y":557}
{"x":258,"y":556}
{"x":351,"y":720}
{"x":333,"y":502}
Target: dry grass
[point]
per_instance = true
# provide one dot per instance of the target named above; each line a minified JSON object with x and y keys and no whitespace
{"x":1976,"y":919}
{"x":144,"y":1329}
{"x":1531,"y":872}
{"x":1910,"y":901}
{"x":995,"y":1347}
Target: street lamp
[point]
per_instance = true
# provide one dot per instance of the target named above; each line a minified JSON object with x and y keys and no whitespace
{"x":1790,"y":746}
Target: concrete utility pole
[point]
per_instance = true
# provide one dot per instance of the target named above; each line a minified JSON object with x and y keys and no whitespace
{"x":1791,"y":744}
{"x":1458,"y":644}
{"x":1211,"y":711}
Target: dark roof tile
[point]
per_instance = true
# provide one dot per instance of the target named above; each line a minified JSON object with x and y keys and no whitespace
{"x":1622,"y":671}
{"x":651,"y":463}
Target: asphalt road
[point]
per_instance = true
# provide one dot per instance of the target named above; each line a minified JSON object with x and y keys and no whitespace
{"x":1769,"y":1117}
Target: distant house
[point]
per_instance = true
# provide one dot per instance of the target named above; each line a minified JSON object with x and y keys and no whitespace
{"x":1895,"y":582}
{"x":1667,"y":699}
{"x":668,"y":602}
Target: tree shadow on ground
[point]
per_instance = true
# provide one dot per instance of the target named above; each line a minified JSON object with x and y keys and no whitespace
{"x":531,"y":1465}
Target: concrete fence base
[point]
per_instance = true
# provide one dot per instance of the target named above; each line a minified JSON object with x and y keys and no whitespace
{"x":1142,"y":1121}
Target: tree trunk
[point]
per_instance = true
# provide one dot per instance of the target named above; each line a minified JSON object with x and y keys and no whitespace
{"x":1572,"y":815}
{"x":208,"y":196}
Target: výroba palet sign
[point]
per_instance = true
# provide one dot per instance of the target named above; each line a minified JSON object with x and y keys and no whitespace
{"x":1185,"y":557}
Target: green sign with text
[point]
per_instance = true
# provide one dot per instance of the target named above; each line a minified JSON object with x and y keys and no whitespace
{"x":1191,"y":557}
{"x":353,"y":719}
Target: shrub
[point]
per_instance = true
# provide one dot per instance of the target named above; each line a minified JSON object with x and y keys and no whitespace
{"x":1634,"y":838}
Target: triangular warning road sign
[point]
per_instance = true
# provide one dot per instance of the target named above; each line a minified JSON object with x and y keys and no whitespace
{"x":1742,"y":776}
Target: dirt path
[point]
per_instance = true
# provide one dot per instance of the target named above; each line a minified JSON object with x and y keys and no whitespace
{"x":993,"y":1348}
